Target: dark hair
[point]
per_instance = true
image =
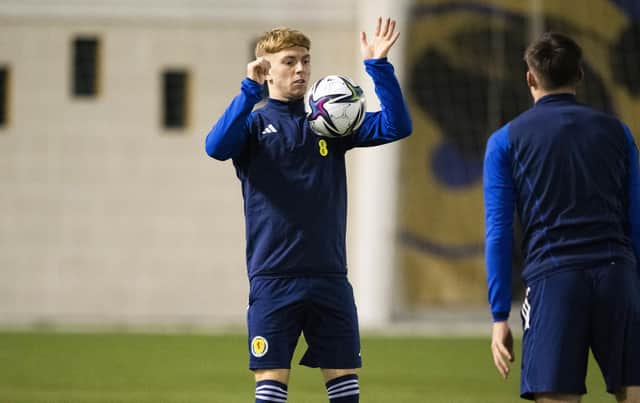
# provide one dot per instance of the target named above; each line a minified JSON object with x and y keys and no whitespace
{"x":555,"y":58}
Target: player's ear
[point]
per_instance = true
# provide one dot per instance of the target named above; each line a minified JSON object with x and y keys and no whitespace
{"x":268,"y":76}
{"x":531,"y":80}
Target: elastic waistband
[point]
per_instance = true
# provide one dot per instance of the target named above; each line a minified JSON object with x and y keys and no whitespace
{"x":296,"y":275}
{"x":611,"y":265}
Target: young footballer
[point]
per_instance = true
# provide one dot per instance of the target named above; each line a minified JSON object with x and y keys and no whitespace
{"x":295,"y":201}
{"x":571,"y":174}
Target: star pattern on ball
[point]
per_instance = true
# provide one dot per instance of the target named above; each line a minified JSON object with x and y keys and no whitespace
{"x":354,"y":96}
{"x":317,"y":107}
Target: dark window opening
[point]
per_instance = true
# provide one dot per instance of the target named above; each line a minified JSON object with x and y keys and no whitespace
{"x":175,"y":98}
{"x":4,"y":96}
{"x":85,"y":66}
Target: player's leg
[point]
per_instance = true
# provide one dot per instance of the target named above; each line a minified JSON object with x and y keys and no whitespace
{"x":629,"y":394}
{"x":333,"y":337}
{"x":329,"y":374}
{"x":342,"y":385}
{"x":556,"y":398}
{"x":616,"y":329}
{"x":271,"y":385}
{"x":275,"y":317}
{"x":555,"y":341}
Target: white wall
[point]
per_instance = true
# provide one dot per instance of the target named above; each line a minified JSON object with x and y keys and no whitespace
{"x":104,"y":216}
{"x":373,"y":181}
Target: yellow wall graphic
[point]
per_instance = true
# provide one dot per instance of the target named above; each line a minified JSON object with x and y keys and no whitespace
{"x":465,"y":79}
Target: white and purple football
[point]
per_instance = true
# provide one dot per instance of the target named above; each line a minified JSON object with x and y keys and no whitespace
{"x":335,"y":106}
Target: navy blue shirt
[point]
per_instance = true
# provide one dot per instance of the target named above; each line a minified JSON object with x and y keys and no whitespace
{"x":571,"y":174}
{"x":294,"y":181}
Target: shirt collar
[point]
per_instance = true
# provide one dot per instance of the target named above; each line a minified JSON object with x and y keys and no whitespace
{"x":564,"y":97}
{"x":295,"y":107}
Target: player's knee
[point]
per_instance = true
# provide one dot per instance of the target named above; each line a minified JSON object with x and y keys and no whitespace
{"x":271,"y":385}
{"x":330,"y":374}
{"x":280,"y":375}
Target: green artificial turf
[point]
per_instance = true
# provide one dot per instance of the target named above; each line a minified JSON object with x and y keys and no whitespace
{"x":125,"y":368}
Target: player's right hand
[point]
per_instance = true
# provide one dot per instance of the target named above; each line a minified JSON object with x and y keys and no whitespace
{"x":502,"y":347}
{"x":258,"y":69}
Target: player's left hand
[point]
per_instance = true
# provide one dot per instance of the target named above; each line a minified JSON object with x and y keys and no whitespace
{"x":502,"y":347}
{"x":384,"y":38}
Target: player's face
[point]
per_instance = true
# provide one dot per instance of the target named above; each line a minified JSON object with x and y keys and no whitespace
{"x":288,"y":77}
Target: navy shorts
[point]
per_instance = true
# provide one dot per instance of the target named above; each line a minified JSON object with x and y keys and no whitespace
{"x":321,"y":308}
{"x":569,"y":312}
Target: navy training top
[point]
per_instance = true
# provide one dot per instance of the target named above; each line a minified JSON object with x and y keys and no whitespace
{"x":572,"y":175}
{"x":294,"y":181}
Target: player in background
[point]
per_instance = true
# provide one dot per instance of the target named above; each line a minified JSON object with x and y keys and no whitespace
{"x":295,"y":201}
{"x":571,"y":173}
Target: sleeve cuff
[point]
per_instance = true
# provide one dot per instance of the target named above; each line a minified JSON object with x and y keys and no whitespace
{"x":252,"y":88}
{"x":379,"y":61}
{"x":500,"y":316}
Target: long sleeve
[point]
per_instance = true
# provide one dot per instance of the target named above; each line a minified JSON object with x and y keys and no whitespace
{"x":229,"y":135}
{"x":634,"y":195}
{"x":393,"y":121}
{"x":499,"y":205}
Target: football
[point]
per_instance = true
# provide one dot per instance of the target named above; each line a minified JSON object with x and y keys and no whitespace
{"x":335,"y":106}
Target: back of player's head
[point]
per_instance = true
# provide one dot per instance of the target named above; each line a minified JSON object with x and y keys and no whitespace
{"x":281,"y":38}
{"x":555,"y":59}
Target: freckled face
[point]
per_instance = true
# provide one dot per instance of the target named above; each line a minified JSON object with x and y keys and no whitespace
{"x":288,"y":77}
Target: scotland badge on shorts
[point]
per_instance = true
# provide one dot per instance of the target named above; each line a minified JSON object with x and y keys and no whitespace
{"x":259,"y":346}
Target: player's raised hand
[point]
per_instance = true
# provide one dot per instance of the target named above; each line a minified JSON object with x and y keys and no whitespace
{"x":258,"y":69}
{"x":384,"y":38}
{"x":502,"y":347}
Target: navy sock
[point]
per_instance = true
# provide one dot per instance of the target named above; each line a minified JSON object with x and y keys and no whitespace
{"x":344,"y":389}
{"x":269,"y":391}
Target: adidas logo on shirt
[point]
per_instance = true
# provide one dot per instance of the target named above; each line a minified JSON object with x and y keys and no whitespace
{"x":269,"y":129}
